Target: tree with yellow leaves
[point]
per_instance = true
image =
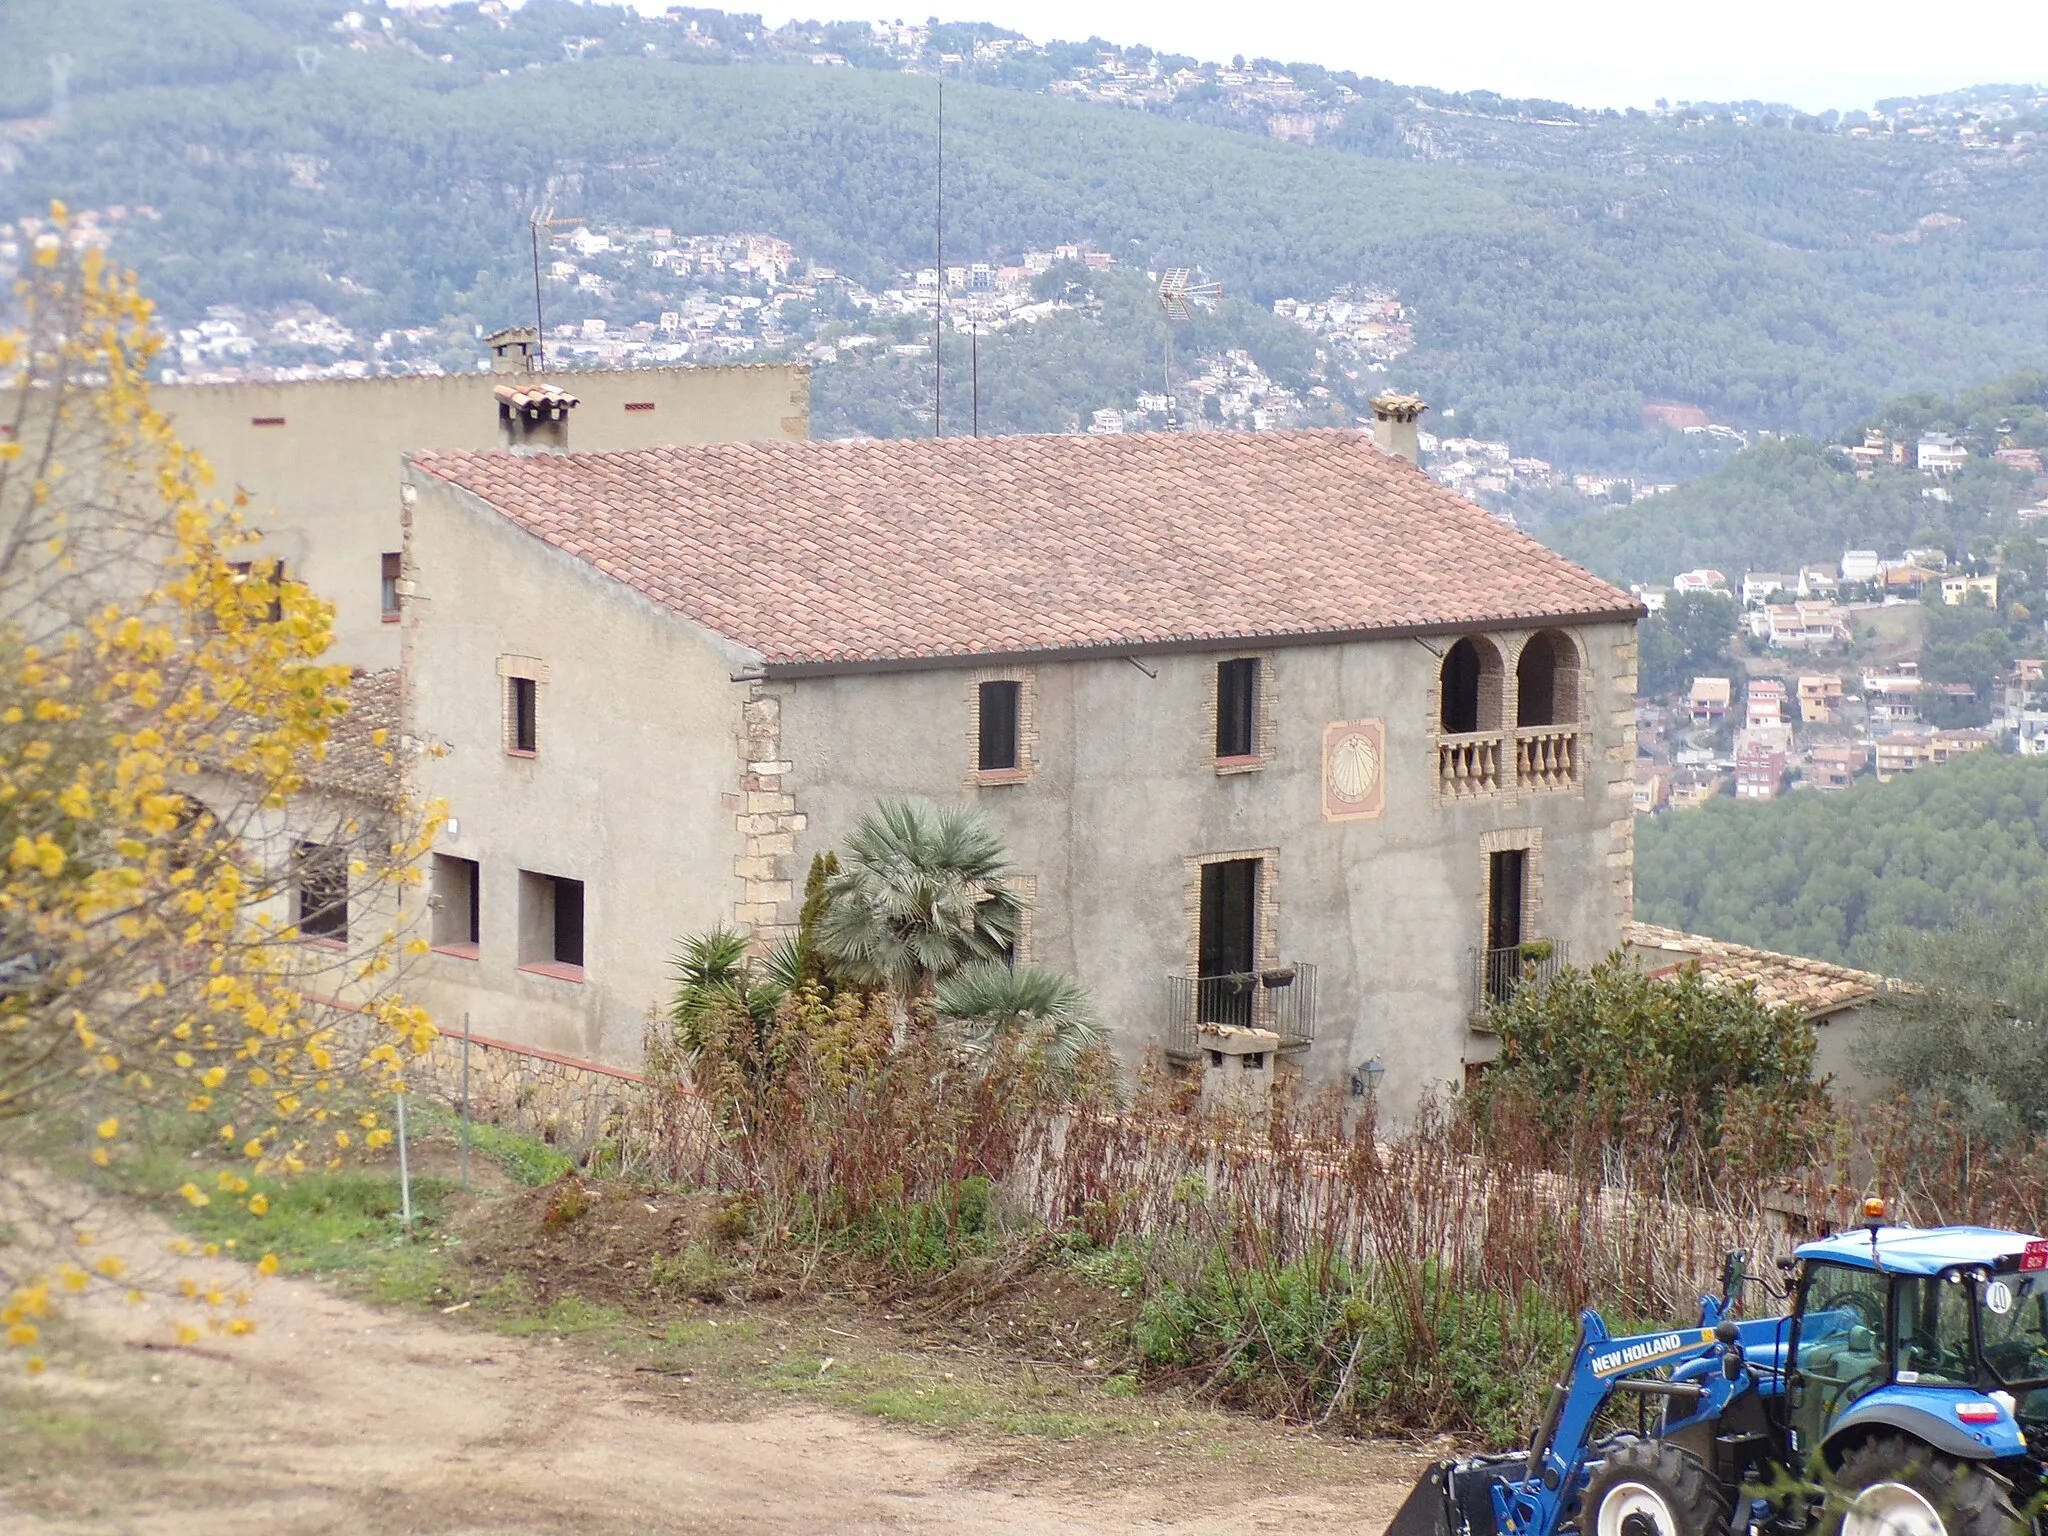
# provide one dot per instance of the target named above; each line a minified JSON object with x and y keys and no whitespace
{"x":189,"y":921}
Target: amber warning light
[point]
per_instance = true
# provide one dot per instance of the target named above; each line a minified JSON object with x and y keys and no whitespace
{"x":1873,"y":1209}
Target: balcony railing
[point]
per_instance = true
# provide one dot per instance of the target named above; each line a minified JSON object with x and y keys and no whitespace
{"x":1500,"y":973}
{"x":1281,"y":998}
{"x":1533,"y":760}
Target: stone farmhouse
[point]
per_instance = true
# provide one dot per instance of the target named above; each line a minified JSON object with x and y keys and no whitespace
{"x":1277,"y":731}
{"x":319,"y":459}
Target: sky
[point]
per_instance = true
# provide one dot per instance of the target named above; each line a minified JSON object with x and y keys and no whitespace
{"x":1811,"y":54}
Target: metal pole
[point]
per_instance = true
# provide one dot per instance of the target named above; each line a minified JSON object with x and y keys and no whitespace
{"x":465,"y":1101}
{"x":404,"y":1172}
{"x":939,"y":294}
{"x":974,"y":353}
{"x":539,"y":328}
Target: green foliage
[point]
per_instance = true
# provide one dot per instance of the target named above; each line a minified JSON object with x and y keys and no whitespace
{"x":1342,"y":1344}
{"x":920,"y":897}
{"x":926,"y":1236}
{"x":1972,"y":1038}
{"x":1613,"y":1043}
{"x":998,"y":1008}
{"x":528,"y":1161}
{"x":1967,"y":643}
{"x":1688,"y":639}
{"x":1831,"y":875}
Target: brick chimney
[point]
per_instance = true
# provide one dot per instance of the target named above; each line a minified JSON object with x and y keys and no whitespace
{"x":534,"y":418}
{"x":1393,"y":425}
{"x":515,"y":349}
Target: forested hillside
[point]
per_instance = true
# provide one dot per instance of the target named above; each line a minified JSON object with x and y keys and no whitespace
{"x":1782,"y":504}
{"x":1559,"y":279}
{"x":1832,"y":876}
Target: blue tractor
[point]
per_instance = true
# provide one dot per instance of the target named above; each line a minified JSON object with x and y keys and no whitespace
{"x":1904,"y":1394}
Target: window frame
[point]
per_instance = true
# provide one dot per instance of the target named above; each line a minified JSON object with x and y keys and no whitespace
{"x":541,"y":943}
{"x":443,"y":944}
{"x":1010,"y":690}
{"x":522,"y":716}
{"x":390,"y":571}
{"x":311,"y":861}
{"x":1237,"y":709}
{"x":1025,"y":683}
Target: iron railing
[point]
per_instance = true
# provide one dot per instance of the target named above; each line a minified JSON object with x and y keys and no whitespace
{"x":1281,"y":998}
{"x":1500,"y":973}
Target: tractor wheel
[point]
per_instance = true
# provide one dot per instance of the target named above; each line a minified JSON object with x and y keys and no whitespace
{"x":1648,"y":1488}
{"x":1893,"y":1486}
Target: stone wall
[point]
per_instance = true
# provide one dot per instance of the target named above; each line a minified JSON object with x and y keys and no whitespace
{"x":569,"y":1104}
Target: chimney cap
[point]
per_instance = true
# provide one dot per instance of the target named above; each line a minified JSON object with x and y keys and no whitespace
{"x":1404,"y":408}
{"x":510,"y":335}
{"x":530,"y":397}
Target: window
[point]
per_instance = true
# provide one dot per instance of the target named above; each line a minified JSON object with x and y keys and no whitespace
{"x":247,"y":571}
{"x":1506,"y":881}
{"x":551,"y":925}
{"x":997,"y":705}
{"x":320,"y":892}
{"x":456,"y":907}
{"x":1461,"y":673}
{"x":1226,"y":941}
{"x":1931,"y":1331}
{"x":1237,"y":707}
{"x":1547,"y":681}
{"x":388,"y":587}
{"x":1839,"y":1353}
{"x":522,"y":716}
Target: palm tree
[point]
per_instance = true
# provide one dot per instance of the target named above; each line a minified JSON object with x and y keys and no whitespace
{"x":919,"y":896}
{"x":993,"y":1007}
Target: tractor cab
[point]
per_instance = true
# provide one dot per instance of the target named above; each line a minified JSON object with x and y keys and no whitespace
{"x":1940,"y":1333}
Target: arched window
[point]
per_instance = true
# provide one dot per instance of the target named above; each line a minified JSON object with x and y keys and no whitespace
{"x":1547,"y":681}
{"x":1471,"y":690}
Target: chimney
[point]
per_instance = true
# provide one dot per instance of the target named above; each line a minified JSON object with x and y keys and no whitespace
{"x":1393,"y":425}
{"x":515,"y":349}
{"x":534,"y":418}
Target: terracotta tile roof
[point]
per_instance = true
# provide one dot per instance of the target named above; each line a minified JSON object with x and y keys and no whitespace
{"x":361,"y":755}
{"x":839,"y":554}
{"x":1814,"y":987}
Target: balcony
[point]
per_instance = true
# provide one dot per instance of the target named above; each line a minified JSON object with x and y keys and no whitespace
{"x":1281,"y":998}
{"x":1535,"y":760}
{"x":1498,"y":974}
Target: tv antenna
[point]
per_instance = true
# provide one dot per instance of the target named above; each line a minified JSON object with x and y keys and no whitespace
{"x":1178,"y":294}
{"x":543,"y":219}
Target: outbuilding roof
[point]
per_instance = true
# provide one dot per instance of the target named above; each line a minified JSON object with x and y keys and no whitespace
{"x":832,"y":556}
{"x":1815,"y":988}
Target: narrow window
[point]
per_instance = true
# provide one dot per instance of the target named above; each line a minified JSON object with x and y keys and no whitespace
{"x":997,"y":729}
{"x":1460,"y":678}
{"x":551,"y":924}
{"x":388,"y":588}
{"x":1506,"y":877}
{"x":458,"y":928}
{"x":320,"y":892}
{"x":523,"y":723}
{"x":1237,"y":705}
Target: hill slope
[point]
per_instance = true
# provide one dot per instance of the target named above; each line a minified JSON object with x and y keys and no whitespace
{"x":1829,"y":875}
{"x":390,"y":187}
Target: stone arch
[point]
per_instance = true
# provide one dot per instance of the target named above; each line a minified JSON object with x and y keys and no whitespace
{"x":1470,"y":687}
{"x":1547,"y":675}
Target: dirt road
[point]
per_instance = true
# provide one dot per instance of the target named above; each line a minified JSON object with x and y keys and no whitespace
{"x":337,"y":1416}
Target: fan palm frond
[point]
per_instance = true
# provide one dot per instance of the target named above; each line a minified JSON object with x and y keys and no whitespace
{"x":993,"y":1006}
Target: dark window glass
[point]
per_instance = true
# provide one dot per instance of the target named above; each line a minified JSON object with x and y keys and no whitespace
{"x":998,"y":729}
{"x":525,"y":714}
{"x":1536,"y":683}
{"x":321,"y":892}
{"x":388,"y":586}
{"x":1505,"y":872}
{"x":568,"y":922}
{"x":1237,"y":706}
{"x":1225,"y":942}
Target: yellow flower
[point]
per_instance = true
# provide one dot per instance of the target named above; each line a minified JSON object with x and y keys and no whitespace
{"x":33,"y":1365}
{"x":194,"y":1194}
{"x":21,"y":1335}
{"x":267,"y":1265}
{"x":109,"y":1128}
{"x":111,"y":1266}
{"x":259,"y":1205}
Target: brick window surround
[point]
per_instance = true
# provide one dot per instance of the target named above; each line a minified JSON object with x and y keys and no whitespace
{"x":511,"y":671}
{"x":1027,"y":725}
{"x":1265,"y":922}
{"x":1263,"y":730}
{"x":1530,"y":841}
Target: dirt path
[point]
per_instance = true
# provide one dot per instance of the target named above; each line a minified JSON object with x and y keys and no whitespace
{"x":339,"y":1416}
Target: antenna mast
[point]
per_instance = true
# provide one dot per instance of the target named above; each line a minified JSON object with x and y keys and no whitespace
{"x":1178,"y":295}
{"x":939,"y":293}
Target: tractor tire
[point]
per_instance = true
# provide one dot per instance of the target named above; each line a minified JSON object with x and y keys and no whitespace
{"x":1894,"y":1486}
{"x":1649,"y":1488}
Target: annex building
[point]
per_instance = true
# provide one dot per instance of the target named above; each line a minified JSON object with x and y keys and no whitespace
{"x":1276,"y":730}
{"x":319,"y":460}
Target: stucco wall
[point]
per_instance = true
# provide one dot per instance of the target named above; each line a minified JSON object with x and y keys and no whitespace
{"x":1124,"y":791}
{"x":323,"y":485}
{"x":632,"y":790}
